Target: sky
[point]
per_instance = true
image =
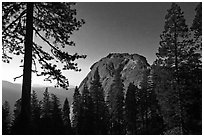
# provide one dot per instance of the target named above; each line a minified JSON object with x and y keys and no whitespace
{"x":132,"y":27}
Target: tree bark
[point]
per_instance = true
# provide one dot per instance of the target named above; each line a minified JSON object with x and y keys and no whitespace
{"x":27,"y":71}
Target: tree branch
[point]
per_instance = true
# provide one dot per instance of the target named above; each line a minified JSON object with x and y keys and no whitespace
{"x":17,"y":77}
{"x":37,"y":52}
{"x":34,"y":63}
{"x":45,"y":40}
{"x":52,"y":72}
{"x":14,"y":21}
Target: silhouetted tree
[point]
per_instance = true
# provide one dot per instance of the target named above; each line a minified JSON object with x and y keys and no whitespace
{"x":192,"y":77}
{"x":56,"y":116}
{"x":131,"y":109}
{"x":149,"y":110}
{"x":66,"y":117}
{"x":197,"y":25}
{"x":17,"y":108}
{"x":46,"y":120}
{"x":155,"y":124}
{"x":179,"y":59}
{"x":46,"y":104}
{"x":35,"y":113}
{"x":167,"y":97}
{"x":86,"y":115}
{"x":100,"y":108}
{"x":51,"y":22}
{"x":6,"y":118}
{"x":172,"y":53}
{"x":76,"y":104}
{"x":116,"y":104}
{"x":143,"y":99}
{"x":15,"y":129}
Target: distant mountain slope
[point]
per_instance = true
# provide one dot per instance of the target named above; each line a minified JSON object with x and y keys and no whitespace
{"x":12,"y":92}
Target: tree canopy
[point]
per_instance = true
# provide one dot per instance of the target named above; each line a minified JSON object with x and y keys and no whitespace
{"x":54,"y":23}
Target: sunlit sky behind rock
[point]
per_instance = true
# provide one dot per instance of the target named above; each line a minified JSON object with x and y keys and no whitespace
{"x":111,"y":27}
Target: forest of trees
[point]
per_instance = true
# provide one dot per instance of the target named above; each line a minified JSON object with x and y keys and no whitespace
{"x":167,"y":101}
{"x":91,"y":114}
{"x":53,"y":23}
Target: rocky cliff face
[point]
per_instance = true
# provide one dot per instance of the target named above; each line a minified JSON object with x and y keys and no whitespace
{"x":134,"y":66}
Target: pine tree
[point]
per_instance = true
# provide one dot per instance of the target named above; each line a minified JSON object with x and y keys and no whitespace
{"x":116,"y":104}
{"x":131,"y":109}
{"x":66,"y":117}
{"x":16,"y":122}
{"x":143,"y":97}
{"x":6,"y":118}
{"x":167,"y":97}
{"x":155,"y":120}
{"x":35,"y":113}
{"x":197,"y":24}
{"x":46,"y":106}
{"x":172,"y":53}
{"x":100,"y":108}
{"x":180,"y":58}
{"x":17,"y":108}
{"x":76,"y":104}
{"x":149,"y":110}
{"x":171,"y":45}
{"x":46,"y":120}
{"x":86,"y":115}
{"x":192,"y":77}
{"x":56,"y":116}
{"x":51,"y":22}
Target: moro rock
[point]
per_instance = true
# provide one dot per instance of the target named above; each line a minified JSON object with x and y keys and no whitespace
{"x":134,"y":67}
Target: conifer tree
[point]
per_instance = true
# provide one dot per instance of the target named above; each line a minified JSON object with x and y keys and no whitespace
{"x":53,"y":23}
{"x":46,"y":120}
{"x":35,"y":106}
{"x":144,"y":96}
{"x":46,"y":104}
{"x":6,"y":118}
{"x":192,"y":77}
{"x":35,"y":113}
{"x":172,"y":53}
{"x":86,"y":116}
{"x":155,"y":120}
{"x":76,"y":104}
{"x":131,"y":109}
{"x":116,"y":104}
{"x":172,"y":44}
{"x":66,"y":117}
{"x":149,"y":110}
{"x":17,"y":108}
{"x":197,"y":24}
{"x":56,"y":116}
{"x":15,"y":123}
{"x":180,"y":59}
{"x":100,"y":108}
{"x":167,"y":98}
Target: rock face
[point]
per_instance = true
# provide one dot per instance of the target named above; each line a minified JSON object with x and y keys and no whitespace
{"x":134,"y":66}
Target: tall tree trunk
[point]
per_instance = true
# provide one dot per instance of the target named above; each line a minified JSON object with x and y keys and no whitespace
{"x":27,"y":70}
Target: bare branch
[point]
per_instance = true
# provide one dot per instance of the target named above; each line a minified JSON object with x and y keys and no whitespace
{"x":17,"y":77}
